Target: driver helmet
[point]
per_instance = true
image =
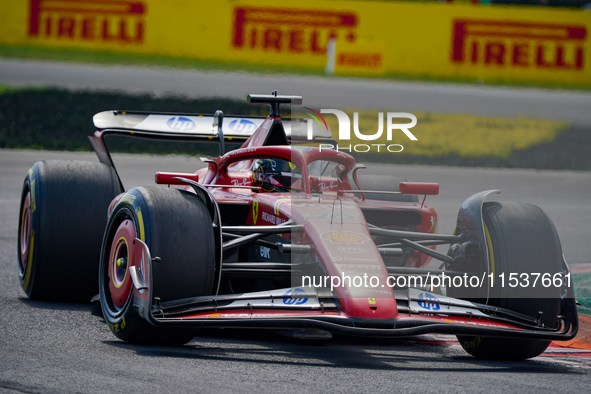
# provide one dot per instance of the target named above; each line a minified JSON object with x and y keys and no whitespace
{"x":275,"y":174}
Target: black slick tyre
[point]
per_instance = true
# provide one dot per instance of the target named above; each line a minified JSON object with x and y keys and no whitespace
{"x":177,"y":228}
{"x":63,"y":213}
{"x":521,"y":240}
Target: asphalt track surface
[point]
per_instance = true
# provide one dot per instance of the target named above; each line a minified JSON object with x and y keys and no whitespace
{"x":338,"y":93}
{"x":52,"y":347}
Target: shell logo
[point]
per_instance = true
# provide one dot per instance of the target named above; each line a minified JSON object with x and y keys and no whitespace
{"x":345,"y":237}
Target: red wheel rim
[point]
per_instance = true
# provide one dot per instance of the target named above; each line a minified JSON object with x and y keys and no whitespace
{"x":120,"y":257}
{"x":25,"y":234}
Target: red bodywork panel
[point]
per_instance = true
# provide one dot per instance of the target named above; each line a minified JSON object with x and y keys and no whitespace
{"x":333,"y":224}
{"x":339,"y":245}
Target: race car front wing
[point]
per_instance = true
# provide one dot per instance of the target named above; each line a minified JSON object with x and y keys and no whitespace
{"x":419,"y":312}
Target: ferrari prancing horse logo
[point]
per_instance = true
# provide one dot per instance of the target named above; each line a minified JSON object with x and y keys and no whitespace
{"x":255,"y":211}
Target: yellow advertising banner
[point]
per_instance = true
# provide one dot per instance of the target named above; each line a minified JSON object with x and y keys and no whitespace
{"x":513,"y":44}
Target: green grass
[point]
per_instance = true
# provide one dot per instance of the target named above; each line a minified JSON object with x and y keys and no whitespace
{"x":96,"y":57}
{"x":466,"y":136}
{"x":54,"y":119}
{"x":57,"y":119}
{"x":582,"y":283}
{"x":11,"y":89}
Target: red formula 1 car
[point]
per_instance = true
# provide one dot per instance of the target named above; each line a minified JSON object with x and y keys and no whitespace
{"x":286,"y":236}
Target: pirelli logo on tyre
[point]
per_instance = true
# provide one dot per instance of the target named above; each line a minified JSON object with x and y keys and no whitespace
{"x":516,"y":44}
{"x":120,"y":21}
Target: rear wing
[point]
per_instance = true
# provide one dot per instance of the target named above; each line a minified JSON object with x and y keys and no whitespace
{"x":193,"y":128}
{"x":175,"y":126}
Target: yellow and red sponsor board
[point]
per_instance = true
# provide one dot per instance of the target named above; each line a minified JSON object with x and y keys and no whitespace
{"x":523,"y":44}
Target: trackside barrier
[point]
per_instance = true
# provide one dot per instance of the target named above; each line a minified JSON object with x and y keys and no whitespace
{"x":525,"y":44}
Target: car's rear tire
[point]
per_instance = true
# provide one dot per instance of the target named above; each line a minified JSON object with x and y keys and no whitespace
{"x":177,"y":228}
{"x":521,"y":238}
{"x":62,"y":217}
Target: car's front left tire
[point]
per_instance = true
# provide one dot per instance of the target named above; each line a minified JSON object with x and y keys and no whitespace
{"x":177,"y":228}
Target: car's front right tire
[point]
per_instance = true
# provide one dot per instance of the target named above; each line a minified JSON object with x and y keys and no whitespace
{"x":521,"y":239}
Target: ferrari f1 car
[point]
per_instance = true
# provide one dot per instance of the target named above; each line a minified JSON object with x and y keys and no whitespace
{"x":284,"y":235}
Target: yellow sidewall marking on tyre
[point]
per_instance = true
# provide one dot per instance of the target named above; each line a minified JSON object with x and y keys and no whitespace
{"x":140,"y":220}
{"x":25,"y":229}
{"x":437,"y":221}
{"x":491,"y":253}
{"x":33,"y":204}
{"x":30,"y":263}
